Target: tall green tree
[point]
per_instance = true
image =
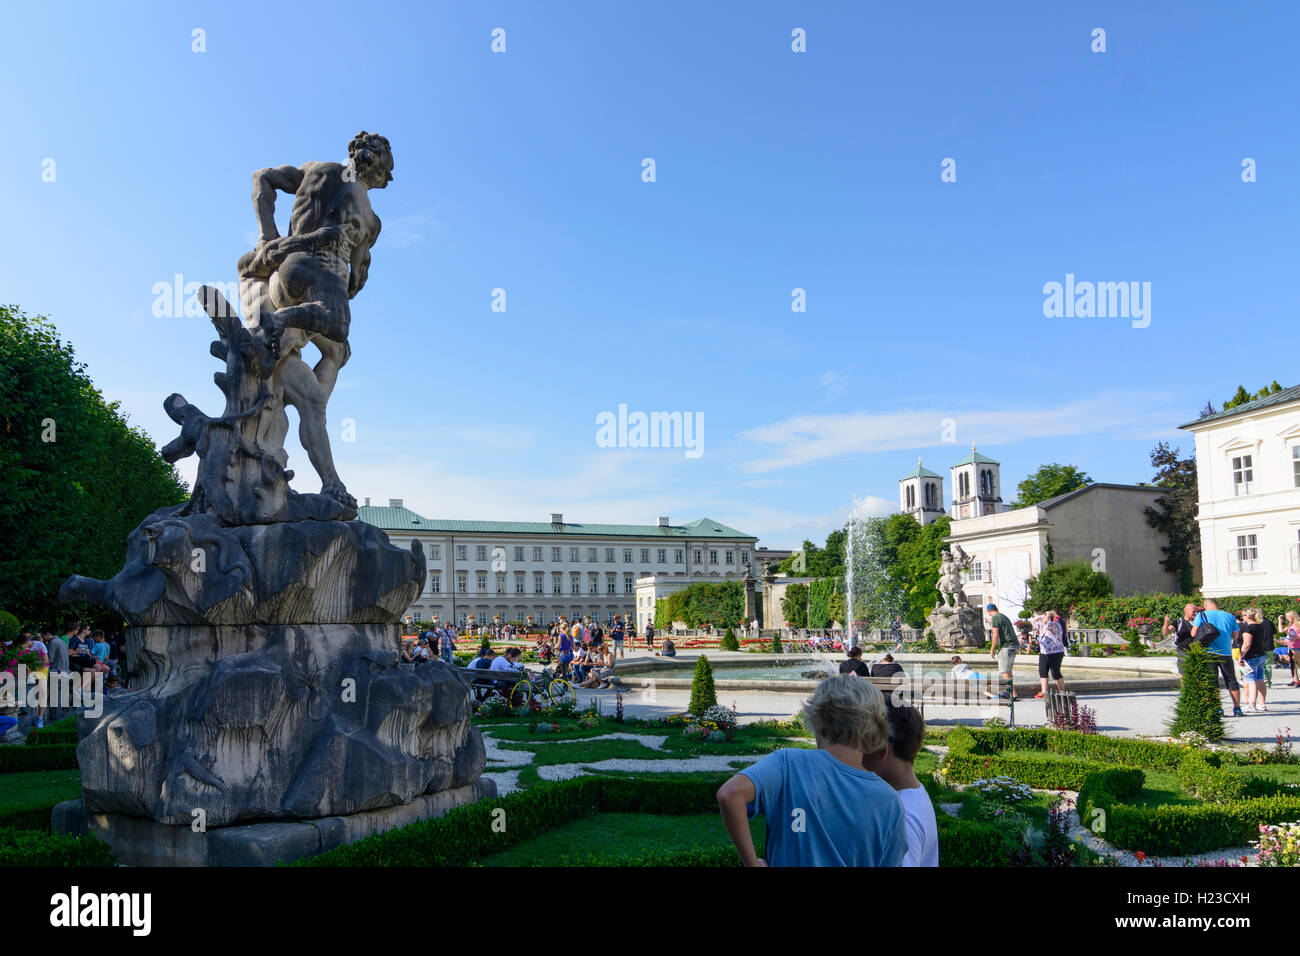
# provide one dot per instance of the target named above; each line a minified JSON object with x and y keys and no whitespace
{"x":1047,"y":482}
{"x":1174,"y":514}
{"x":794,"y":605}
{"x":75,"y":477}
{"x":1241,"y":396}
{"x":920,"y":560}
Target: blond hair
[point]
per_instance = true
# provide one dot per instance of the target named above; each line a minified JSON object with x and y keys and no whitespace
{"x":847,"y":710}
{"x":1254,"y":615}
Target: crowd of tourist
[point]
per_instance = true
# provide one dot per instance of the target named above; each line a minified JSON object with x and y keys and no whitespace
{"x":77,"y":652}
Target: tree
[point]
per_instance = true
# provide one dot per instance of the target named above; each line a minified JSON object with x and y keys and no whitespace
{"x":1174,"y":514}
{"x":920,"y":560}
{"x":794,"y":605}
{"x":729,"y":642}
{"x":1047,"y":482}
{"x":720,"y":603}
{"x":703,"y":694}
{"x":1241,"y":396}
{"x":814,"y":562}
{"x":1198,"y":697}
{"x":1061,"y":586}
{"x":75,"y":477}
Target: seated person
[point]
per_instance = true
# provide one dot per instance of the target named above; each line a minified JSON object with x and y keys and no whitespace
{"x":886,"y":667}
{"x":581,"y":664}
{"x":507,"y":666}
{"x":603,"y":669}
{"x":964,"y":672}
{"x":854,"y":664}
{"x":860,"y":820}
{"x":668,"y":649}
{"x":895,"y":765}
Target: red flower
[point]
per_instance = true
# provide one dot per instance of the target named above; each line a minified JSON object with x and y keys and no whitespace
{"x":1140,"y":856}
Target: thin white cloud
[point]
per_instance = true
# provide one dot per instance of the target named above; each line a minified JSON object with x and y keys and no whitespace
{"x":806,"y":439}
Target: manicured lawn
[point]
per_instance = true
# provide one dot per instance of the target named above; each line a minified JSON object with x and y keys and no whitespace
{"x":38,"y":787}
{"x":615,"y":839}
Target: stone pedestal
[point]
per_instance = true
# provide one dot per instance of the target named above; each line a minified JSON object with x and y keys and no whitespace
{"x":956,"y":627}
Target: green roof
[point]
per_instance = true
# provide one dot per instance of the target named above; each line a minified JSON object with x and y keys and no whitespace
{"x":975,"y":458}
{"x":921,"y":472}
{"x":406,"y":520}
{"x":1291,"y":394}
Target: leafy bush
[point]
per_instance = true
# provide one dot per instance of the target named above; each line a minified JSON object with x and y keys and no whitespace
{"x":1067,"y":584}
{"x":1115,"y":612}
{"x":1213,"y":784}
{"x":9,"y":627}
{"x":968,"y":842}
{"x":1035,"y":771}
{"x":28,"y":848}
{"x":931,"y":645}
{"x":721,"y":603}
{"x":729,"y":642}
{"x":703,"y":694}
{"x":1198,"y":697}
{"x":776,"y":644}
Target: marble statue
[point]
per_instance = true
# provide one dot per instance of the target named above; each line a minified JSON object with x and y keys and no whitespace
{"x":263,"y":624}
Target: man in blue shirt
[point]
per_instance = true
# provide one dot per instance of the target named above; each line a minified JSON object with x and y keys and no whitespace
{"x":822,"y":807}
{"x":1220,"y":648}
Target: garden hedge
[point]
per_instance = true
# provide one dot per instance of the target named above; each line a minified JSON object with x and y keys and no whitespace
{"x":1176,"y":829}
{"x":1109,"y":750}
{"x":33,"y":848}
{"x":1115,"y":612}
{"x":465,"y":835}
{"x":1039,"y":772}
{"x":14,"y":758}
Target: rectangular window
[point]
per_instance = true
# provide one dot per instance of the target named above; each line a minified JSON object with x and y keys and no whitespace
{"x":1243,"y":473}
{"x":627,"y":555}
{"x":1295,"y":464}
{"x":557,"y":582}
{"x":1247,"y":552}
{"x":460,"y":552}
{"x":609,"y":584}
{"x":609,"y":555}
{"x":629,"y":586}
{"x":744,"y":557}
{"x":462,"y":583}
{"x":699,"y":557}
{"x":435,"y":582}
{"x":730,"y":556}
{"x":680,"y":556}
{"x":480,"y":552}
{"x":555,"y":554}
{"x":537,"y":554}
{"x":593,"y":584}
{"x":435,"y":552}
{"x":519,"y":555}
{"x":591,"y":555}
{"x":713,"y":557}
{"x":645,"y":555}
{"x":501,"y":583}
{"x":480,"y":582}
{"x":573,"y":555}
{"x":539,"y":583}
{"x":661,"y":555}
{"x":519,"y":582}
{"x":575,"y":583}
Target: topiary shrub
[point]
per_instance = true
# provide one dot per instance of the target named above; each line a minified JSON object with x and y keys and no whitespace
{"x":776,"y":644}
{"x":931,"y":645}
{"x":703,"y":694}
{"x":1135,"y":646}
{"x":9,"y":627}
{"x":729,"y":642}
{"x":1198,"y":697}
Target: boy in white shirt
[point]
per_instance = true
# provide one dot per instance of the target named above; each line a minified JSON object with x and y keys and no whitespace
{"x":895,"y":765}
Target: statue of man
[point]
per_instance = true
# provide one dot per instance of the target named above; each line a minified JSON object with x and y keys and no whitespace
{"x":295,"y":289}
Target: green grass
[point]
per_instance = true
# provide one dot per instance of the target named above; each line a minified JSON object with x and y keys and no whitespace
{"x":593,"y":751}
{"x":614,"y":838}
{"x":25,"y":798}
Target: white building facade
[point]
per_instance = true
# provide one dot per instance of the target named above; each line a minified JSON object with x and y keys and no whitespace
{"x":1248,"y":491}
{"x":1103,"y":524}
{"x":512,"y":571}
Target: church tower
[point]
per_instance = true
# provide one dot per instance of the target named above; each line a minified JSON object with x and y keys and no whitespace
{"x":920,"y":494}
{"x":976,"y":486}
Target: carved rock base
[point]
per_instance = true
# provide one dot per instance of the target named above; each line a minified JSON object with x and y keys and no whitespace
{"x":956,"y":627}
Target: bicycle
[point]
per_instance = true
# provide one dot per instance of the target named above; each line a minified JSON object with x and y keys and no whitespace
{"x":547,"y":689}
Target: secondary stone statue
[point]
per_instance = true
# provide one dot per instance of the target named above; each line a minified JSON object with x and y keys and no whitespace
{"x":263,"y":634}
{"x":952,"y":563}
{"x":953,"y":621}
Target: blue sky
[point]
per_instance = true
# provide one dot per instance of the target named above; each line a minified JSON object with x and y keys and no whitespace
{"x":775,"y":170}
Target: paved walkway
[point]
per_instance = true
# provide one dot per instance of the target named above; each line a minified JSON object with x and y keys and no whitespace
{"x":1121,"y":713}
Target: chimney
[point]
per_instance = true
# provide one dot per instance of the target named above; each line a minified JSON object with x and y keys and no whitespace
{"x":665,"y":523}
{"x":367,"y":502}
{"x":394,"y":502}
{"x":557,"y":518}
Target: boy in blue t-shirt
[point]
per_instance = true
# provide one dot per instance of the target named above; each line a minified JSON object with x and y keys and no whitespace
{"x":822,"y":807}
{"x":1220,"y":648}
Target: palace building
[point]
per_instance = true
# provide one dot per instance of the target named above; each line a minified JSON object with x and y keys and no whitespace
{"x":515,"y":570}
